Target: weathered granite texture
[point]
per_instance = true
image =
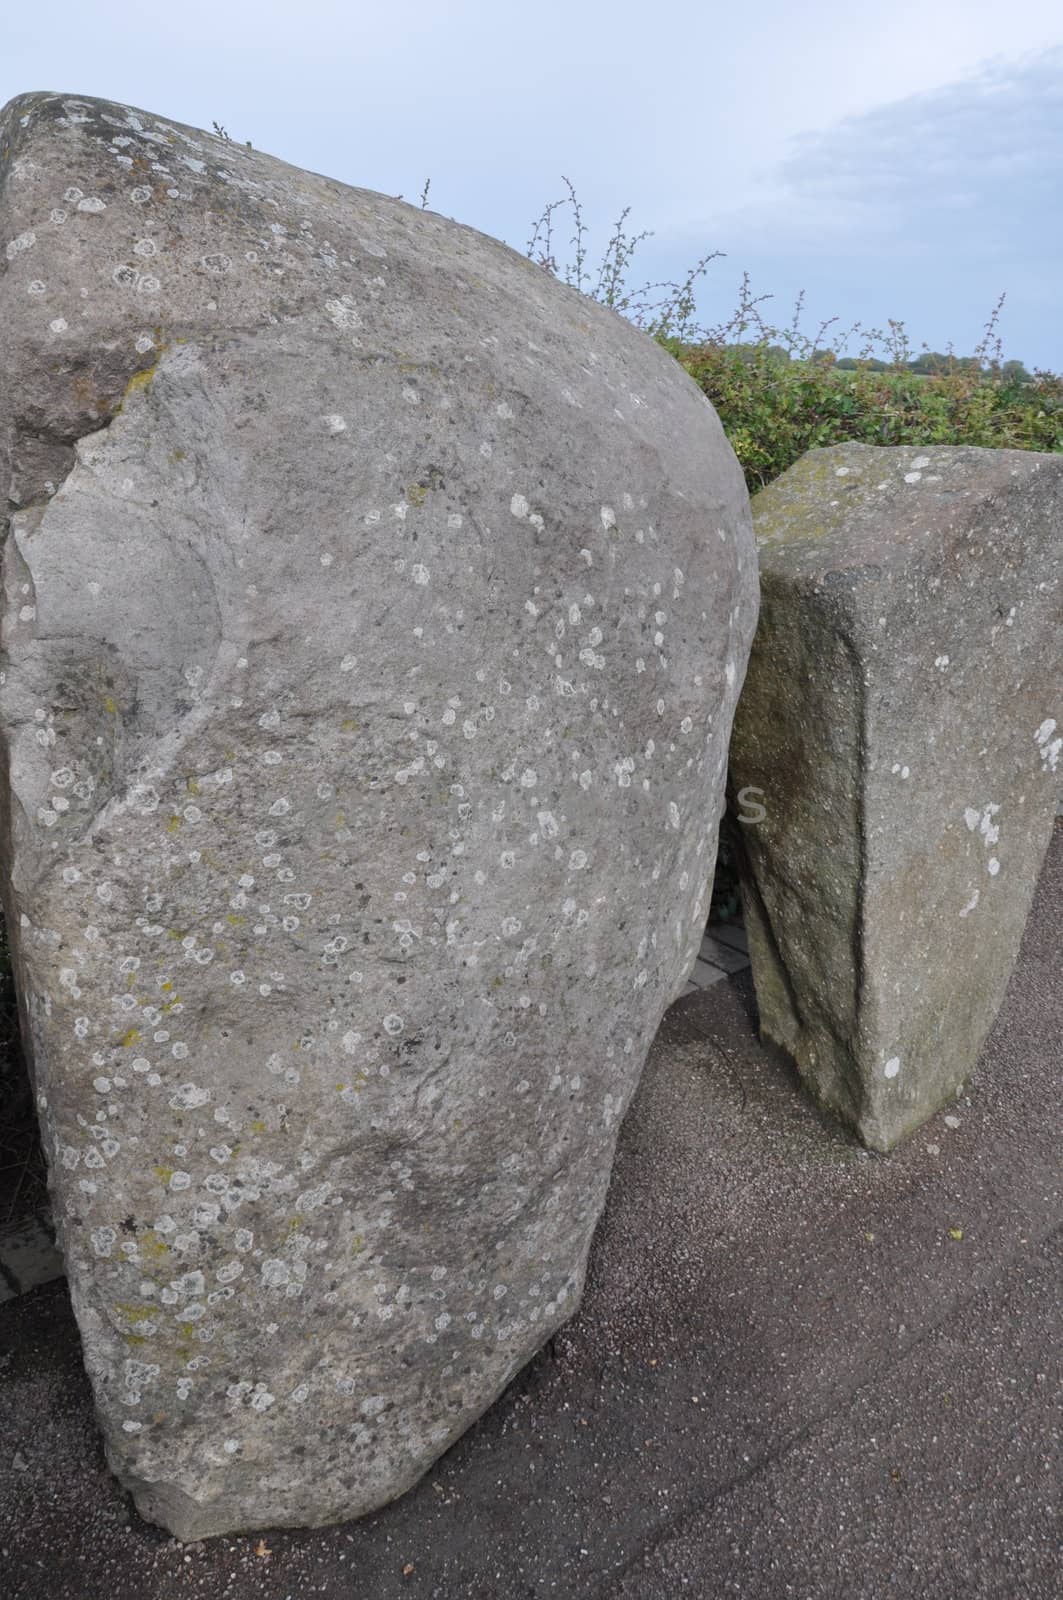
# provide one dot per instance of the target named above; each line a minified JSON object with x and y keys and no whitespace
{"x":901,"y":717}
{"x":375,"y":612}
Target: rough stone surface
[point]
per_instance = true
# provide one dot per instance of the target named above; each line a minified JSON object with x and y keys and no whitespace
{"x":375,"y":612}
{"x":901,"y":716}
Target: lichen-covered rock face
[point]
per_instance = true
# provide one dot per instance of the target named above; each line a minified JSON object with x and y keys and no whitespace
{"x":375,"y":611}
{"x":902,"y":717}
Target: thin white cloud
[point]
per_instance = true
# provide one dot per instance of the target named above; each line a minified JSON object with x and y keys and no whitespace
{"x":976,"y":162}
{"x":925,"y":209}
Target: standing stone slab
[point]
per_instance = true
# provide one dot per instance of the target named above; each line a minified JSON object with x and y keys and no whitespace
{"x":375,"y":612}
{"x":900,"y":715}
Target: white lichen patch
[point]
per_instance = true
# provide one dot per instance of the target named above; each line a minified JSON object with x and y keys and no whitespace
{"x":1049,"y":746}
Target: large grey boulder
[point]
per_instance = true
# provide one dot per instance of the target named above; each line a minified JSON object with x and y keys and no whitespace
{"x":901,"y":722}
{"x":375,"y":612}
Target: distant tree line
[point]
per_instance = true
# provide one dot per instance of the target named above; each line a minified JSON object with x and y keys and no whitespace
{"x":932,"y":363}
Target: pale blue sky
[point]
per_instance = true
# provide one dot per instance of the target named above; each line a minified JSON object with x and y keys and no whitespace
{"x":906,"y":162}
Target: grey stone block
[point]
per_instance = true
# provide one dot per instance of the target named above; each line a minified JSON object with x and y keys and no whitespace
{"x":901,"y":718}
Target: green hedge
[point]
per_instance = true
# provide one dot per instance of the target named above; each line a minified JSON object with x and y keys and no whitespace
{"x":774,"y":408}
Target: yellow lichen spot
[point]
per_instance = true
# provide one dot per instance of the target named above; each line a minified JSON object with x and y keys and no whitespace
{"x":192,"y":785}
{"x":416,"y":494}
{"x":166,"y":986}
{"x":164,"y":1174}
{"x":258,"y":1126}
{"x":109,"y":705}
{"x":348,"y":725}
{"x":173,"y":824}
{"x":140,"y":380}
{"x":294,"y":1224}
{"x":151,"y":1246}
{"x":133,"y":1311}
{"x":132,"y":1037}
